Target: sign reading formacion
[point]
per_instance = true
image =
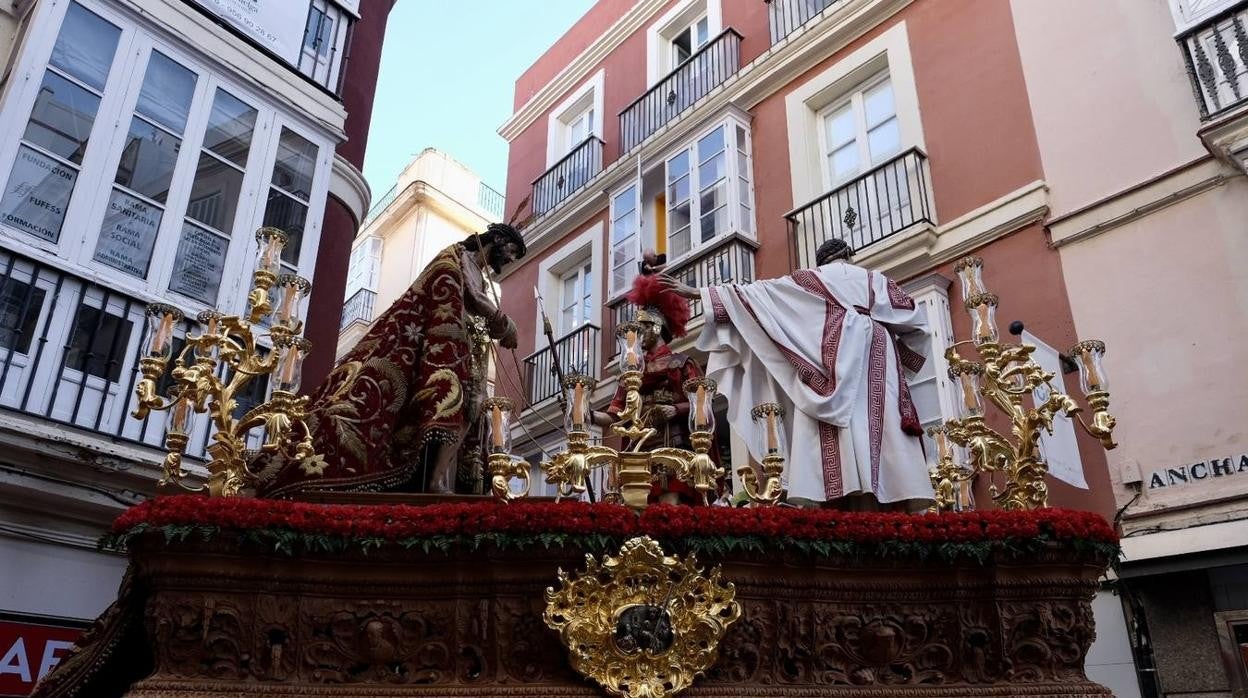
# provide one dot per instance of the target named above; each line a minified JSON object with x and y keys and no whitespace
{"x":1204,"y":471}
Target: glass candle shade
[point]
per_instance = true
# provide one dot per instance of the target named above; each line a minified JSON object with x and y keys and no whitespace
{"x":768,"y":420}
{"x":211,"y":322}
{"x":180,"y":415}
{"x":700,"y":392}
{"x":970,"y":271}
{"x":291,"y":351}
{"x":983,"y":310}
{"x":1089,"y":355}
{"x":578,"y":386}
{"x":269,"y":253}
{"x":161,"y":317}
{"x":292,"y":289}
{"x":632,"y":357}
{"x":944,"y":448}
{"x":497,"y":413}
{"x":966,"y":374}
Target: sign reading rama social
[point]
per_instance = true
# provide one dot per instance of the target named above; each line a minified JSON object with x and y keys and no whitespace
{"x":30,"y":648}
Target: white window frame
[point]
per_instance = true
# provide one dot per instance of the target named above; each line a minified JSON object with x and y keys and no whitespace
{"x":932,"y":293}
{"x":364,"y":267}
{"x":75,"y":249}
{"x":887,"y":53}
{"x":558,"y":125}
{"x":1189,"y":13}
{"x":610,"y":267}
{"x":856,"y":100}
{"x":325,"y":70}
{"x":582,"y":278}
{"x":681,"y":16}
{"x":735,"y":163}
{"x":587,"y":247}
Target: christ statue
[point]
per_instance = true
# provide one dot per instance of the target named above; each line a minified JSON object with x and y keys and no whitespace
{"x":829,"y":344}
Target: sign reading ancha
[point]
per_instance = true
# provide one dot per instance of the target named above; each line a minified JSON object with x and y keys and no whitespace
{"x":1203,"y":471}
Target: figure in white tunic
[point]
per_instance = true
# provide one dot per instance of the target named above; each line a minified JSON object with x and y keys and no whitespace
{"x":830,"y":345}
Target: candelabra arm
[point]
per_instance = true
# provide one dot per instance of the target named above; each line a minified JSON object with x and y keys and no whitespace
{"x":502,"y":471}
{"x":772,"y":487}
{"x":1102,"y":425}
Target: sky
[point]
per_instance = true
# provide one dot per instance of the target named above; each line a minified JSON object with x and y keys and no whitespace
{"x":448,"y":73}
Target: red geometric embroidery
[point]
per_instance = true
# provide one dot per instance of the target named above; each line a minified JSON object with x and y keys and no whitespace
{"x":899,"y":299}
{"x":718,"y":311}
{"x":830,"y":445}
{"x":875,"y":399}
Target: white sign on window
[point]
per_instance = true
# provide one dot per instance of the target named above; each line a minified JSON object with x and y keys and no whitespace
{"x":128,"y":233}
{"x":199,"y":265}
{"x":37,"y":194}
{"x":1059,"y":449}
{"x":277,"y":26}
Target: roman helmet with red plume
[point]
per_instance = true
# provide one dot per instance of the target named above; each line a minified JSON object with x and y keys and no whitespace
{"x":655,"y":303}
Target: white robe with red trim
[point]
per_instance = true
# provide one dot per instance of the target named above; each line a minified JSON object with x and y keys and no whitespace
{"x":823,"y":343}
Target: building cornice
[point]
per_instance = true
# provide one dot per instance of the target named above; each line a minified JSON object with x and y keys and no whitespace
{"x":769,"y":72}
{"x":347,"y":184}
{"x":580,"y":67}
{"x":1145,"y":198}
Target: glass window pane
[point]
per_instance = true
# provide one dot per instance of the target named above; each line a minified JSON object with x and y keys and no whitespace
{"x":148,"y":159}
{"x":20,"y":305}
{"x":713,"y":197}
{"x":199,"y":264}
{"x":316,"y":33}
{"x":713,"y":223}
{"x":679,"y":190}
{"x":712,"y":169}
{"x":85,"y":46}
{"x":710,"y":144}
{"x":878,"y":103}
{"x":624,"y":227}
{"x":884,"y":140}
{"x":622,"y":252}
{"x":62,"y":118}
{"x":230,"y":127}
{"x":98,"y":344}
{"x":288,"y":214}
{"x":678,"y":242}
{"x":37,"y":194}
{"x":296,"y":162}
{"x":839,"y":127}
{"x":167,"y":91}
{"x":128,"y":233}
{"x":844,"y":162}
{"x":214,"y":195}
{"x":678,"y":166}
{"x":679,"y":216}
{"x":624,"y":202}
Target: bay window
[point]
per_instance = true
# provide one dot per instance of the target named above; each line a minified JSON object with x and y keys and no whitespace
{"x":50,"y":152}
{"x":155,"y":162}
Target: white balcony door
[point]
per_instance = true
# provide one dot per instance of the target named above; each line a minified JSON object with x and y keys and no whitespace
{"x":625,"y":238}
{"x":859,"y":132}
{"x":576,"y":290}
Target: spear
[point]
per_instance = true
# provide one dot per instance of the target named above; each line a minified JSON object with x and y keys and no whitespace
{"x":556,"y":367}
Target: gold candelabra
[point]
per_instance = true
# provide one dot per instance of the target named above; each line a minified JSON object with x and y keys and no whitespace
{"x":1006,"y":375}
{"x":215,"y":366}
{"x":633,"y":470}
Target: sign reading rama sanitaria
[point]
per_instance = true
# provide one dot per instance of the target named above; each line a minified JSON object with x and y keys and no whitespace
{"x":1203,"y":471}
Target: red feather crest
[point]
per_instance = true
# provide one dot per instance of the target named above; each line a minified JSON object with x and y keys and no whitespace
{"x":648,"y":291}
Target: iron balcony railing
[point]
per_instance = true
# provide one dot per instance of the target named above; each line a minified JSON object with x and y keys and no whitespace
{"x":882,"y":202}
{"x":577,"y":351}
{"x":568,"y":175}
{"x":69,"y":351}
{"x":728,"y":259}
{"x":358,"y":307}
{"x":786,"y":16}
{"x":490,"y":200}
{"x":380,"y":205}
{"x":680,"y":89}
{"x":1216,"y":53}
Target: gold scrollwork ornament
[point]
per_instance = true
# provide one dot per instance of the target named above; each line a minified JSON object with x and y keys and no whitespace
{"x":643,"y":624}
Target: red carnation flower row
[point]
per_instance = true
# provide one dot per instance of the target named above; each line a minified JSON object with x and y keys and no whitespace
{"x":404,"y":522}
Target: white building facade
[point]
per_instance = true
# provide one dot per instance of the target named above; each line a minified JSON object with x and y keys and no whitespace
{"x":147,"y":141}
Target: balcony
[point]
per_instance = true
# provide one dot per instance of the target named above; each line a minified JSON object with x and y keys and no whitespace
{"x":69,"y":351}
{"x":490,"y":200}
{"x":726,"y":260}
{"x":578,"y":351}
{"x":359,"y":307}
{"x":787,"y":16}
{"x":876,"y":206}
{"x":567,"y":176}
{"x":680,"y":89}
{"x":1216,"y":53}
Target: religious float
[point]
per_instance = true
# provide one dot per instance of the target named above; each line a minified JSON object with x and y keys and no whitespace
{"x":370,"y":595}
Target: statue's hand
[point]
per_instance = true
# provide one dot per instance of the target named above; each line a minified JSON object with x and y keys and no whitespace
{"x":508,"y":340}
{"x":677,"y":287}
